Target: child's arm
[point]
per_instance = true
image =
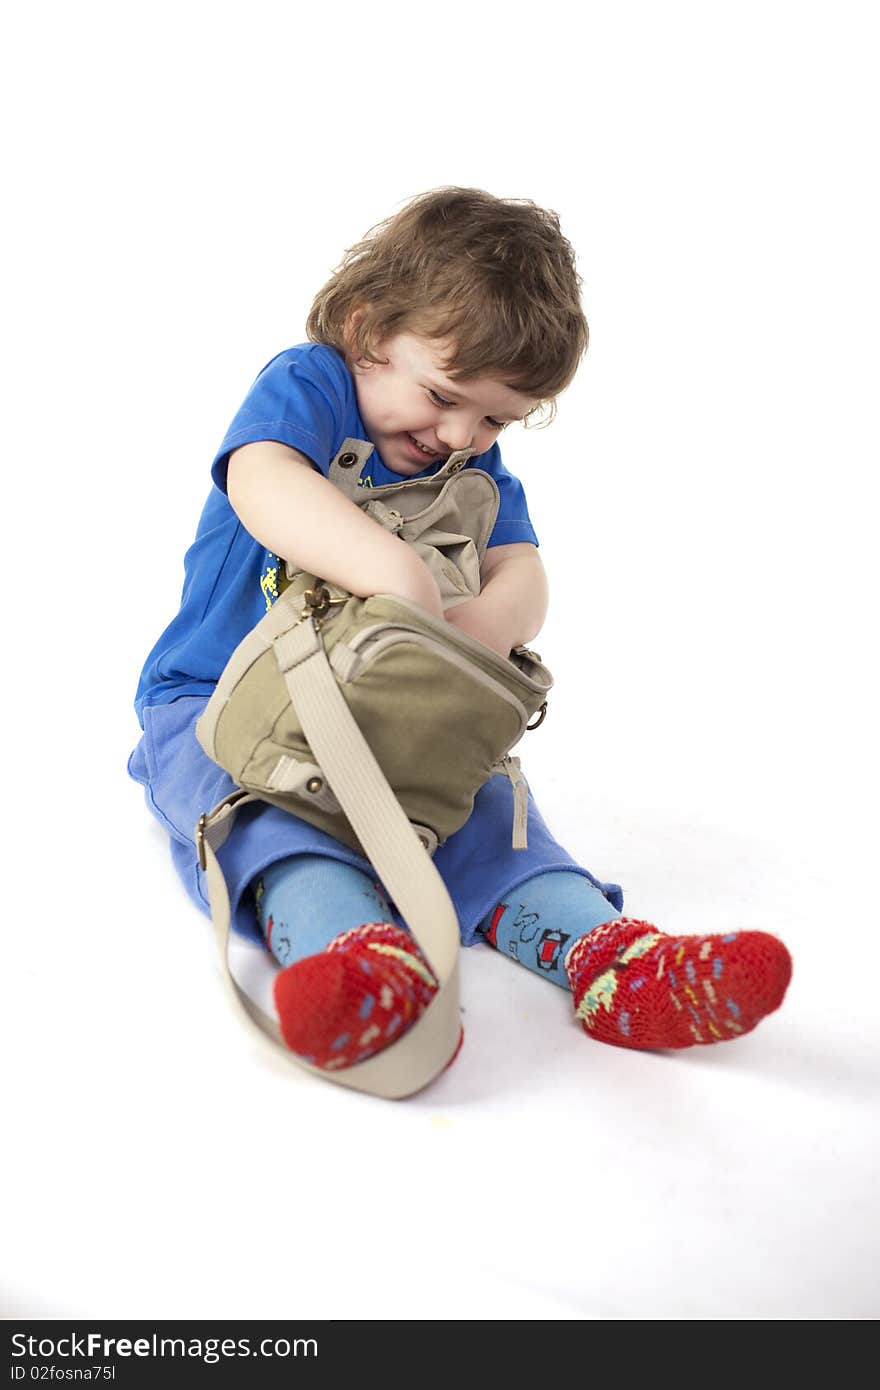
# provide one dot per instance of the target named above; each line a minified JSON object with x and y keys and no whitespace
{"x":512,"y":604}
{"x":296,"y":513}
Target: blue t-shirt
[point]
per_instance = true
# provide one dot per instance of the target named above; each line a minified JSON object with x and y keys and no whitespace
{"x":305,"y":398}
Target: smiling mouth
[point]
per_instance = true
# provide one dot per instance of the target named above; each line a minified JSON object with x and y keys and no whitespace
{"x":428,"y":453}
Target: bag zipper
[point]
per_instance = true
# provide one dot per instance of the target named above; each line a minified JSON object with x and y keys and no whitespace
{"x":368,"y":646}
{"x":483,"y":656}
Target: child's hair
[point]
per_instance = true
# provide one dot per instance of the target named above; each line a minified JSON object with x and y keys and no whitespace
{"x":495,"y":276}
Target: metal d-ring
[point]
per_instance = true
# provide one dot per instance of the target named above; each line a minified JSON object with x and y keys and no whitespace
{"x":542,"y":715}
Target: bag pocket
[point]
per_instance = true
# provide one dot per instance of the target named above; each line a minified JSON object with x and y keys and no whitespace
{"x":438,"y":709}
{"x":372,"y":644}
{"x":440,"y":712}
{"x":523,"y":672}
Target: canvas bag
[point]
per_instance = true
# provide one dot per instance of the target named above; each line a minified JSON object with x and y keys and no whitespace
{"x":378,"y":723}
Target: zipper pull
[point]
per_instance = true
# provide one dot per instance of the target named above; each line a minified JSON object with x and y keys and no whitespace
{"x":511,"y":768}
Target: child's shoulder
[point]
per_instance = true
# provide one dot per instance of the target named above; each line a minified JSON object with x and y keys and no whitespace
{"x":316,"y":362}
{"x":303,"y":397}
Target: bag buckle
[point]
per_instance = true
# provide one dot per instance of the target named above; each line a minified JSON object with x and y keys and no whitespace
{"x":317,"y":602}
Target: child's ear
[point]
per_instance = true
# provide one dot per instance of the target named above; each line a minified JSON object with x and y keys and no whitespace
{"x":354,"y":318}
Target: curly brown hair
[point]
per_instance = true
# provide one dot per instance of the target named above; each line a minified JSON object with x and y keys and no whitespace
{"x":494,"y":276}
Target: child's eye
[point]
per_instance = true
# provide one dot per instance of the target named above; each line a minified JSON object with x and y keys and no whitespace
{"x":441,"y":400}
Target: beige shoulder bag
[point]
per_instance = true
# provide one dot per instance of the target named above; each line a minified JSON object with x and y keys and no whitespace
{"x":378,"y":723}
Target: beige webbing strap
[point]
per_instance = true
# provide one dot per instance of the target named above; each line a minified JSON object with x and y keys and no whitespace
{"x":393,"y":848}
{"x":211,"y":833}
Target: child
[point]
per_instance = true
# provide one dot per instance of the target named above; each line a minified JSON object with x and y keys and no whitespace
{"x":450,"y":321}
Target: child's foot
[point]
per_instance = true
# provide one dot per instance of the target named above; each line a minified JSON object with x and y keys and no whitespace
{"x":346,"y":1003}
{"x":636,"y":987}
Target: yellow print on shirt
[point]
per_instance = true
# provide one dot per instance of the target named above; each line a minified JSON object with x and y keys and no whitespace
{"x":273,"y":580}
{"x":269,"y":581}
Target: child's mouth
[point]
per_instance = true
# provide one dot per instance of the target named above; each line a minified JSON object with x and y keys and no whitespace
{"x":420,"y":449}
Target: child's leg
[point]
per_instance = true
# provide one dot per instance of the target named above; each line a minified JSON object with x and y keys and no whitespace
{"x":632,"y":984}
{"x":353,"y":981}
{"x":305,"y":901}
{"x":542,"y":919}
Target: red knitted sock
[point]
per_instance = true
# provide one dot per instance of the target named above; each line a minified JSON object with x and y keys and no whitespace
{"x":346,"y":1003}
{"x":636,"y":987}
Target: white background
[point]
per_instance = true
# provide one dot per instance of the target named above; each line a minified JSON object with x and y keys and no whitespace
{"x":181,"y":180}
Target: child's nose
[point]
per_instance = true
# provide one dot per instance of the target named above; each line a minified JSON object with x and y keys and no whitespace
{"x":455,"y":433}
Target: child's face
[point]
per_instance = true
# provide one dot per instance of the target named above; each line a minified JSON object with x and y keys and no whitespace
{"x":411,"y":398}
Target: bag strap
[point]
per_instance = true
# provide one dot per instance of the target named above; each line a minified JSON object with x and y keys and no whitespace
{"x":393,"y":848}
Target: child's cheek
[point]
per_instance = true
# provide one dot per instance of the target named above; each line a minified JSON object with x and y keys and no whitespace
{"x":391,"y":419}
